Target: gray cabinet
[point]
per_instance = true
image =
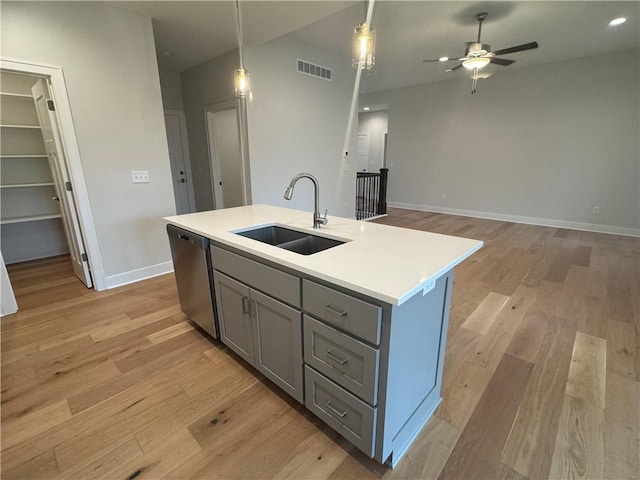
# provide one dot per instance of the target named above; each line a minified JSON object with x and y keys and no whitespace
{"x":278,"y":350}
{"x":264,"y":331}
{"x":342,"y":358}
{"x":370,"y":370}
{"x":373,"y":371}
{"x":236,"y":325}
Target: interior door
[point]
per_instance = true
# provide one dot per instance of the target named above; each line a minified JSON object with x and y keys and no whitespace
{"x":62,"y":182}
{"x":226,"y":158}
{"x":178,"y":156}
{"x":362,"y":152}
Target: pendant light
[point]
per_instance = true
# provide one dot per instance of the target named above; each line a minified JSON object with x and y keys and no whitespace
{"x":242,"y":80}
{"x":364,"y":43}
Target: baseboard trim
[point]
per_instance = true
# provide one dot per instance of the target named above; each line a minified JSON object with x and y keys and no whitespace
{"x":373,"y":218}
{"x":545,"y":222}
{"x":138,"y":275}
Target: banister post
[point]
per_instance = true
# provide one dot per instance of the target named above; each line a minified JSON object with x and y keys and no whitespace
{"x":382,"y":201}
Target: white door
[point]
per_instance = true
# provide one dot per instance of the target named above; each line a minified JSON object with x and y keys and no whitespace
{"x":55,"y":154}
{"x":226,"y":158}
{"x":362,"y":152}
{"x":179,"y":158}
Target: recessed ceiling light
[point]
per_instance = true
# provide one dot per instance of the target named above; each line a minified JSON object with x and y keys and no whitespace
{"x":167,"y":53}
{"x":366,"y":109}
{"x":617,"y":21}
{"x":443,"y":59}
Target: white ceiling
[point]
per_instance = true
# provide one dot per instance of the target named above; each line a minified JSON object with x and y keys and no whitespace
{"x":198,"y":31}
{"x":407,"y":31}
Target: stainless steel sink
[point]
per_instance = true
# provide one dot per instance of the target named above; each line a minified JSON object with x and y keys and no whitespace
{"x":292,"y":240}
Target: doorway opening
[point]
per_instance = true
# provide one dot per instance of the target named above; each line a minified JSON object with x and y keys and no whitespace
{"x":41,"y":194}
{"x":372,"y":171}
{"x":229,"y":175}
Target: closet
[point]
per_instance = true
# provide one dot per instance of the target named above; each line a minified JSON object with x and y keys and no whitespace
{"x":30,"y":214}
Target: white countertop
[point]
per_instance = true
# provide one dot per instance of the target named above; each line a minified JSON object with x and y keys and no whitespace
{"x":388,"y":263}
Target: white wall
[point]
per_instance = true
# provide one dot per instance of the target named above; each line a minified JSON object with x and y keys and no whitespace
{"x":547,"y":142}
{"x":375,"y":124}
{"x":171,"y":89}
{"x":109,"y":62}
{"x":206,"y":84}
{"x":297,"y":123}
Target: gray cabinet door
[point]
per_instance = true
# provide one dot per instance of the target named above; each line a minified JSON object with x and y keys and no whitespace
{"x":279,"y":343}
{"x":236,"y":329}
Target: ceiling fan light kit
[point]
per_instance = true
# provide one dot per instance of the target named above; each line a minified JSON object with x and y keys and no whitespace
{"x":478,"y":55}
{"x":475,"y":63}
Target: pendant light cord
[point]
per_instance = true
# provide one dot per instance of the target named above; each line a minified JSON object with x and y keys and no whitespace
{"x":356,"y":89}
{"x":239,"y":33}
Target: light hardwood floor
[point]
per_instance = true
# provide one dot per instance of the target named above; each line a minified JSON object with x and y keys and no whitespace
{"x":541,"y":378}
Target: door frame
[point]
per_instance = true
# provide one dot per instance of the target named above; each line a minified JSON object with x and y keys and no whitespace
{"x":185,"y":153}
{"x":239,"y":105}
{"x":72,"y":158}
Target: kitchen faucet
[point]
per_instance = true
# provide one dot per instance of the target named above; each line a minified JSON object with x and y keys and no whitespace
{"x":318,"y":221}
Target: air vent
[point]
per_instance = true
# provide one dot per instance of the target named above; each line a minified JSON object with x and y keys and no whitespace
{"x":314,"y":70}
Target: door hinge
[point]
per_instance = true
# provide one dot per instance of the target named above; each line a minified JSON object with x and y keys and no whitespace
{"x":51,"y":106}
{"x":84,"y":257}
{"x":67,"y":185}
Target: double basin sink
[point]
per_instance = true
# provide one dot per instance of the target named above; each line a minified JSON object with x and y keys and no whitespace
{"x":299,"y":242}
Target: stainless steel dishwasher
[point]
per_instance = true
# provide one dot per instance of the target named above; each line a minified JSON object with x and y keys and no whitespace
{"x":192,"y":266}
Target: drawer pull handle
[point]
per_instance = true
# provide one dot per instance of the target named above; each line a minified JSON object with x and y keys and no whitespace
{"x":335,"y":312}
{"x":333,"y":410}
{"x":335,"y":358}
{"x":246,"y":308}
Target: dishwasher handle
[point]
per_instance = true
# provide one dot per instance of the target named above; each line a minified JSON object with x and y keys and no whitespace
{"x":185,"y":235}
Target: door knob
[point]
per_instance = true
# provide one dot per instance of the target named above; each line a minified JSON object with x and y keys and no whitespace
{"x":56,"y":198}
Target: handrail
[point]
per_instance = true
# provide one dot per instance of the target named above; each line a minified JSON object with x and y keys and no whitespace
{"x":371,"y":194}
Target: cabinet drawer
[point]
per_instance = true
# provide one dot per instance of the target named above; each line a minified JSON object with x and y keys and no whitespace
{"x":350,"y":417}
{"x":342,"y":358}
{"x":278,"y":284}
{"x":355,"y":316}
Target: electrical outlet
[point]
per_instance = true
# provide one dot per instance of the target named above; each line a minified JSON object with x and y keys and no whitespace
{"x":443,"y":196}
{"x":140,"y":176}
{"x":596,"y":209}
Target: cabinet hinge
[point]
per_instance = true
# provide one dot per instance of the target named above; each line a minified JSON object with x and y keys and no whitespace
{"x":84,"y":257}
{"x":67,"y":185}
{"x":51,"y":106}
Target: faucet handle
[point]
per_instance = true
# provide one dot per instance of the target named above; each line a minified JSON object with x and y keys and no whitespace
{"x":324,"y":219}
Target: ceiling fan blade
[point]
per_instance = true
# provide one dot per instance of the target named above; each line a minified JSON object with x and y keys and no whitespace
{"x":517,"y":48}
{"x":438,"y":60}
{"x":501,"y":61}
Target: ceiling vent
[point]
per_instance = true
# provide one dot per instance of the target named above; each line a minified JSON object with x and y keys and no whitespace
{"x":314,"y":70}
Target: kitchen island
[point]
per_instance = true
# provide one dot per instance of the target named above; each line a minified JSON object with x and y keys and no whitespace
{"x":355,"y":332}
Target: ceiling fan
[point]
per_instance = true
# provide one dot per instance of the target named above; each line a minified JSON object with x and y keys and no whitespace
{"x":478,"y":55}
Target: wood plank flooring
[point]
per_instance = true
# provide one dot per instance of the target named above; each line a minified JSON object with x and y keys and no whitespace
{"x":541,"y":377}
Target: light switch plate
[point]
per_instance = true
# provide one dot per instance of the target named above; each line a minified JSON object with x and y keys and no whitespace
{"x":140,"y":176}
